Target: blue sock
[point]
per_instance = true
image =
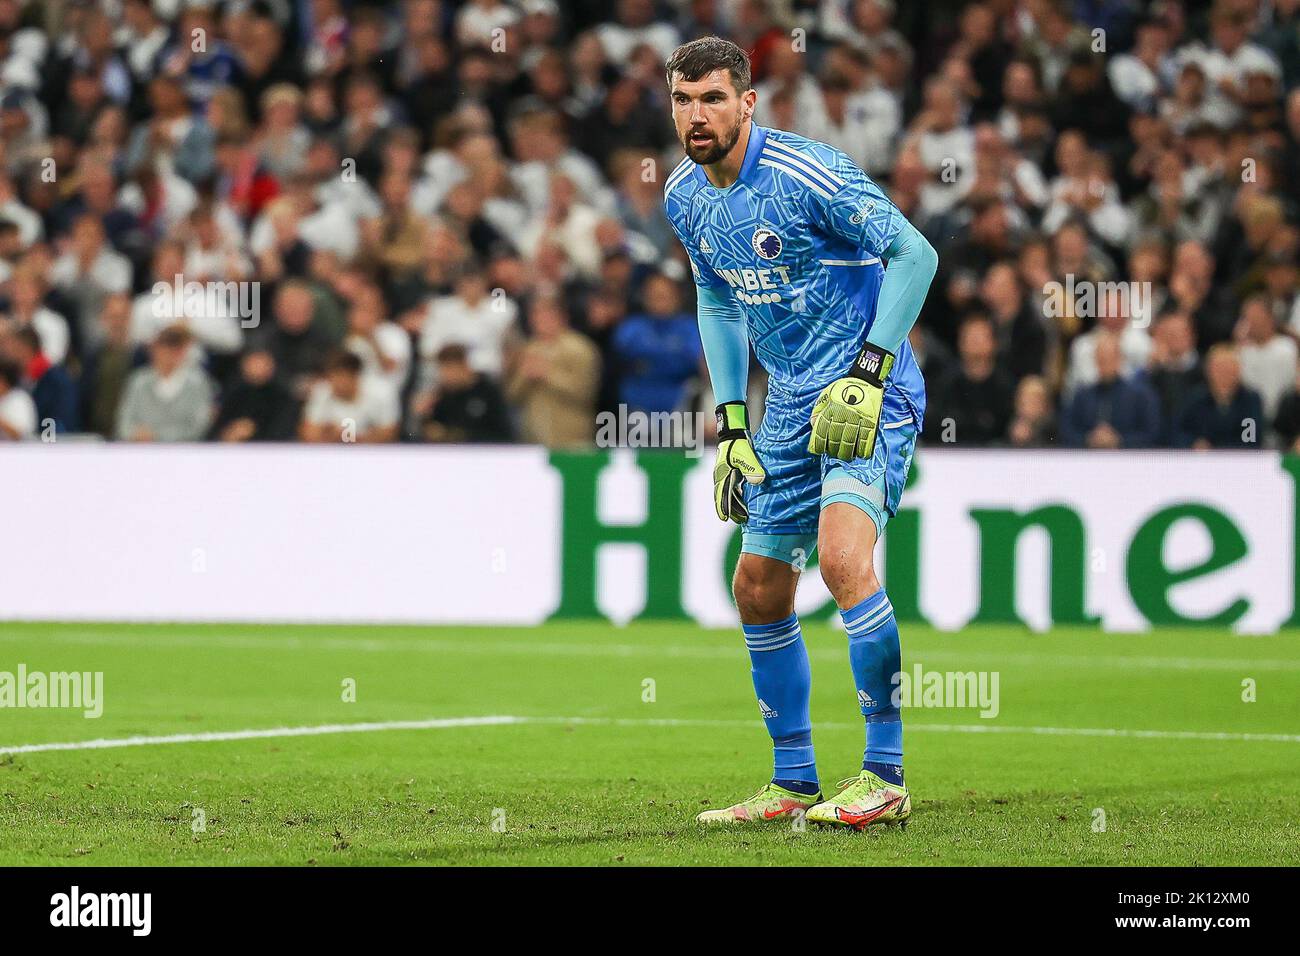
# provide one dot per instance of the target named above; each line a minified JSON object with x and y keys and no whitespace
{"x":783,"y":684}
{"x":875,"y":656}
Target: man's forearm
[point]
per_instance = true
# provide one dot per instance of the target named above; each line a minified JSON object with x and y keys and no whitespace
{"x":726,"y":345}
{"x":912,"y":265}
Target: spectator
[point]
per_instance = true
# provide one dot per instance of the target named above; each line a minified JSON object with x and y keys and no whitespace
{"x":1268,"y":358}
{"x":17,"y":410}
{"x":1114,"y":412}
{"x":1287,"y":423}
{"x":1175,"y":369}
{"x":1034,"y":421}
{"x":383,"y":347}
{"x":257,"y":407}
{"x":349,"y":406}
{"x":972,"y":404}
{"x":467,"y":406}
{"x":1222,"y":413}
{"x":27,"y":310}
{"x":108,"y":367}
{"x":555,"y":380}
{"x":1115,"y":318}
{"x":1022,"y":341}
{"x":89,"y":272}
{"x":473,"y":317}
{"x":659,"y":350}
{"x":170,"y":400}
{"x":50,"y":385}
{"x":297,"y":342}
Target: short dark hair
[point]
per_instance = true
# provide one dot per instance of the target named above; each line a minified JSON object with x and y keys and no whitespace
{"x":701,"y":57}
{"x":453,"y":353}
{"x":174,"y":336}
{"x":343,"y":360}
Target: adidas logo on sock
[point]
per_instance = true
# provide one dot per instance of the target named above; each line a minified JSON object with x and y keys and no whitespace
{"x":767,"y":712}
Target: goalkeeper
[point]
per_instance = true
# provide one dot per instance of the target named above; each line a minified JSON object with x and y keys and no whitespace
{"x":795,"y":250}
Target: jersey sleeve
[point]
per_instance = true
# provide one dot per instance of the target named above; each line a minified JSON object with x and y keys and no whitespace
{"x":722,"y":325}
{"x":846,"y":203}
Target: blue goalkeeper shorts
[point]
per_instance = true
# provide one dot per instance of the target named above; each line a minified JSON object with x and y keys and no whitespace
{"x":785,"y":509}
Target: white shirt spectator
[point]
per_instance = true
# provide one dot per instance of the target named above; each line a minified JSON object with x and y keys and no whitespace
{"x":477,"y":20}
{"x":1134,"y":347}
{"x":110,"y":272}
{"x":576,"y":235}
{"x":870,"y":127}
{"x":18,"y":411}
{"x":481,"y":329}
{"x":619,"y":41}
{"x":28,"y":222}
{"x":332,"y":227}
{"x":391,"y":341}
{"x":1218,"y":66}
{"x":1135,"y":83}
{"x":1109,"y":219}
{"x":950,"y":155}
{"x":52,"y":329}
{"x":179,"y":198}
{"x":355,"y":196}
{"x":808,"y":106}
{"x":211,"y":318}
{"x":1269,"y":369}
{"x":376,"y":406}
{"x":533,"y":181}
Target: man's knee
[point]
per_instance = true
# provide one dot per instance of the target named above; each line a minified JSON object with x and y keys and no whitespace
{"x":847,"y":567}
{"x":764,"y":589}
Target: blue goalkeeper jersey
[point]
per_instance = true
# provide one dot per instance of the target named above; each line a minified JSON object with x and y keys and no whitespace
{"x":797,"y":242}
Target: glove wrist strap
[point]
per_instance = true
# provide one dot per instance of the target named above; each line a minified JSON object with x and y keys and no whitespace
{"x":733,"y":420}
{"x":873,"y":364}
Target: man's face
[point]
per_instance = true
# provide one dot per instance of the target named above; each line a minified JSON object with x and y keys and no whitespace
{"x":344,"y":384}
{"x":976,"y":343}
{"x":1108,"y":359}
{"x":258,"y":367}
{"x":708,"y":114}
{"x":1175,"y":333}
{"x":167,"y":358}
{"x":1223,"y":373}
{"x":455,"y":376}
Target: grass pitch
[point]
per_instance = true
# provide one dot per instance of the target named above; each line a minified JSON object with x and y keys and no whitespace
{"x":1148,"y":735}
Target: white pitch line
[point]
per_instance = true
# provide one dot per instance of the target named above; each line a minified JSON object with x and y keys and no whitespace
{"x":104,"y":743}
{"x":595,"y":648}
{"x":442,"y":723}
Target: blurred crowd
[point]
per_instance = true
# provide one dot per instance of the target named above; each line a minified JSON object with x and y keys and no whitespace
{"x":436,"y":221}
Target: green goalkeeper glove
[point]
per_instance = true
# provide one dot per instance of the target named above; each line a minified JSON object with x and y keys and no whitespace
{"x":846,"y":415}
{"x":737,"y":463}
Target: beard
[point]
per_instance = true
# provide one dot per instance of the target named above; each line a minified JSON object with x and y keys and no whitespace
{"x":714,"y":151}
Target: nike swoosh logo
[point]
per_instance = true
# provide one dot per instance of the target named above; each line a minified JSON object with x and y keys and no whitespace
{"x":772,"y":814}
{"x":857,"y":818}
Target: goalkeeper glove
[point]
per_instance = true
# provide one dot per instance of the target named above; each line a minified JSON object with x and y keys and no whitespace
{"x":736,"y":464}
{"x":846,"y":416}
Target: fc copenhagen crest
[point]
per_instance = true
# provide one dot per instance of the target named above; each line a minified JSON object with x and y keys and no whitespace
{"x":766,"y":243}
